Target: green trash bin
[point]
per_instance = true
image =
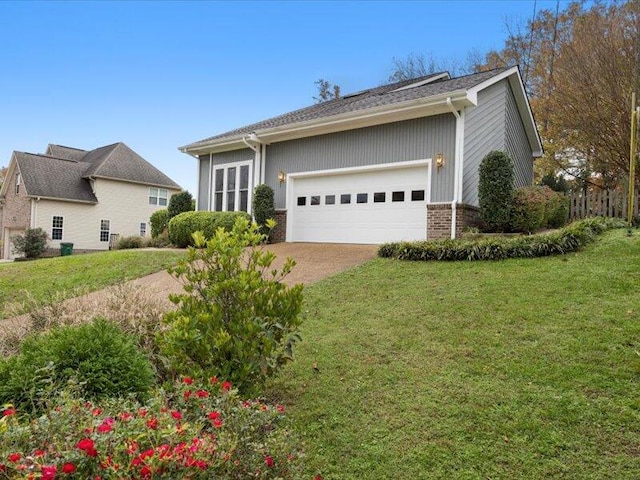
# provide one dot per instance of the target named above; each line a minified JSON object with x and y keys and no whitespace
{"x":66,"y":249}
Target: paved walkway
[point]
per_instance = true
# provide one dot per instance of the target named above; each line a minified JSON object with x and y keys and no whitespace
{"x":314,"y":261}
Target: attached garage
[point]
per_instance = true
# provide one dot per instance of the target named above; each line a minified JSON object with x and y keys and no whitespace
{"x":372,"y":204}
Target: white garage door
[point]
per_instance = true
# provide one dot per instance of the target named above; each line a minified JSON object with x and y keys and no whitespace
{"x":373,"y":206}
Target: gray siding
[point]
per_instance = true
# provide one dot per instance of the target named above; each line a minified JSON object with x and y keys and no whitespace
{"x":484,"y":131}
{"x":218,"y":159}
{"x":394,"y":142}
{"x":203,"y":184}
{"x":517,"y":143}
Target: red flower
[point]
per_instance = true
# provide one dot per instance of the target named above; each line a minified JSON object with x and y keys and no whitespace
{"x":268,"y":460}
{"x":3,"y":467}
{"x":187,"y":394}
{"x":226,"y":386}
{"x":68,"y":468}
{"x":14,"y":457}
{"x":280,"y":408}
{"x":38,"y":453}
{"x":202,"y":394}
{"x":187,"y":380}
{"x":125,"y":416}
{"x":9,"y":411}
{"x":49,"y":472}
{"x":85,"y":444}
{"x":213,"y":380}
{"x":92,"y":452}
{"x":96,"y":412}
{"x":145,"y":472}
{"x":105,"y":428}
{"x":217,"y":423}
{"x":142,"y":412}
{"x":152,"y":423}
{"x":175,"y":414}
{"x":214,"y":415}
{"x":317,"y":477}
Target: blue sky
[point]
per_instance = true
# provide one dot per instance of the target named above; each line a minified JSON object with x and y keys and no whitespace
{"x":158,"y":75}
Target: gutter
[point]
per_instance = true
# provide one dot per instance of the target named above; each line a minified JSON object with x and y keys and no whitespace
{"x":259,"y":150}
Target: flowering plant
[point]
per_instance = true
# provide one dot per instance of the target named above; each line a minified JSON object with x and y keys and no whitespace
{"x":196,"y":431}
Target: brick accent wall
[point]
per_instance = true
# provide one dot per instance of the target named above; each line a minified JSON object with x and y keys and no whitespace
{"x":439,"y":219}
{"x":16,"y":211}
{"x":279,"y":234}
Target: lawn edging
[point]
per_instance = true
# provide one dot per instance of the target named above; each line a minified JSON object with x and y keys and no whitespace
{"x":568,"y":239}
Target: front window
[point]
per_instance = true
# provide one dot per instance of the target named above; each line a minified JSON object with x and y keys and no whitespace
{"x":143,"y":229}
{"x":56,"y":227}
{"x":18,"y":182}
{"x":158,"y":196}
{"x":231,"y":187}
{"x":105,"y":228}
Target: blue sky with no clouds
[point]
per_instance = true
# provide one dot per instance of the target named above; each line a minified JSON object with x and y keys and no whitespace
{"x":158,"y":75}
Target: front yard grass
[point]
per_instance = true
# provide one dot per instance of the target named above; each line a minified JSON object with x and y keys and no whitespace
{"x":525,"y":368}
{"x":44,"y":277}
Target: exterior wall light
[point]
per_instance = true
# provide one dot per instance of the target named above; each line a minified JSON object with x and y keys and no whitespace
{"x":440,"y":161}
{"x":282,"y":176}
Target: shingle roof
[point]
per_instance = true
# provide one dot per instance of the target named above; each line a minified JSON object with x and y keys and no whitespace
{"x":67,"y":175}
{"x":367,"y":99}
{"x":68,"y":153}
{"x":45,"y":176}
{"x":119,"y":162}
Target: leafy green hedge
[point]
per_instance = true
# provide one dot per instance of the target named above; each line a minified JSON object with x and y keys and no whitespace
{"x":182,"y":226}
{"x":569,"y":239}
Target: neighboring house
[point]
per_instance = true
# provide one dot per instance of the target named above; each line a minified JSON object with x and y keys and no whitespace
{"x":81,"y":197}
{"x":397,"y":162}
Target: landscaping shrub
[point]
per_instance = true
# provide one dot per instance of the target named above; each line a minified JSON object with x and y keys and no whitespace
{"x":98,"y":357}
{"x":557,"y":211}
{"x":495,"y":191}
{"x":569,"y":239}
{"x":202,"y":432}
{"x":159,"y":222}
{"x":236,"y":319}
{"x":537,"y":207}
{"x":557,"y":183}
{"x":160,"y":241}
{"x":31,"y":244}
{"x":263,"y":207}
{"x":184,"y":225}
{"x":179,"y":203}
{"x":134,"y":241}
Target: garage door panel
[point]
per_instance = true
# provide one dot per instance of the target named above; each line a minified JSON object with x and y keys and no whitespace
{"x":369,"y":222}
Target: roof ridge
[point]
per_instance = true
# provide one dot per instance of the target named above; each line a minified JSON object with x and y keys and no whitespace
{"x":70,"y":148}
{"x":47,"y":156}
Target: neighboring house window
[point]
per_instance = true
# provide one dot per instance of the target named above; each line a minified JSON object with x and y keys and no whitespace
{"x":56,"y":227}
{"x":18,"y":182}
{"x":231,"y":190}
{"x":105,"y":228}
{"x":143,"y":229}
{"x":158,"y":196}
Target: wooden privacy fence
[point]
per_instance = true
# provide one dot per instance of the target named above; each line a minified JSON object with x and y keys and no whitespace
{"x":605,"y":203}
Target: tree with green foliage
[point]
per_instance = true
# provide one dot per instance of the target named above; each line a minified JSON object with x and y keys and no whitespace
{"x":263,"y":206}
{"x":31,"y":244}
{"x":236,"y":320}
{"x":179,"y":203}
{"x":557,"y":183}
{"x":159,"y":222}
{"x":496,"y":190}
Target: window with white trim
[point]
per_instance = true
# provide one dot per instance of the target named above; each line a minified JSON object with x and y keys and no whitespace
{"x":105,"y":230}
{"x":18,"y":182}
{"x":143,"y":229}
{"x":232,"y":187}
{"x":158,"y":196}
{"x":57,"y":224}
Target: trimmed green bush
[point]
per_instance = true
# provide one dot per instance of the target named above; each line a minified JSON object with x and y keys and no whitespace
{"x":179,"y":203}
{"x":32,"y":243}
{"x":568,"y":239}
{"x":184,"y":225}
{"x":495,"y":191}
{"x":159,"y":222}
{"x":97,"y":357}
{"x":557,"y":211}
{"x":537,"y":207}
{"x":263,"y":207}
{"x":161,"y":241}
{"x":134,"y":241}
{"x":237,"y":319}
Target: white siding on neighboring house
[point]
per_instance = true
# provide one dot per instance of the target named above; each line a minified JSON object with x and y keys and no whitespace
{"x":125,"y":205}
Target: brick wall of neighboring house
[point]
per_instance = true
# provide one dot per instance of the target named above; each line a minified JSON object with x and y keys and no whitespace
{"x":439,"y":219}
{"x":279,"y":234}
{"x":16,"y":211}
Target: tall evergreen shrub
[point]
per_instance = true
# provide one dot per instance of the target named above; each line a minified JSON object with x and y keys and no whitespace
{"x":263,"y":207}
{"x":179,"y":203}
{"x":495,"y":190}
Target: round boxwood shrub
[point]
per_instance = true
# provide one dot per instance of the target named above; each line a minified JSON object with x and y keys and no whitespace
{"x":263,"y":207}
{"x":182,"y":226}
{"x":159,"y":221}
{"x":495,"y":190}
{"x":98,"y":357}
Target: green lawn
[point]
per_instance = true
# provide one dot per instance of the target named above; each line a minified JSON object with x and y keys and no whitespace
{"x":488,"y":370}
{"x":43,"y":278}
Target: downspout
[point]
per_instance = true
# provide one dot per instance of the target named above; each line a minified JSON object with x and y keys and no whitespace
{"x":257,"y":161}
{"x":456,"y":167}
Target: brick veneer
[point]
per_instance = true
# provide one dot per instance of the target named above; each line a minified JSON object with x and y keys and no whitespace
{"x":16,"y":211}
{"x":279,"y":234}
{"x":439,"y":219}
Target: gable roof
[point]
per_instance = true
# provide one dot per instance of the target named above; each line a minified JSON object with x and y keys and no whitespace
{"x":67,"y":175}
{"x":49,"y":177}
{"x":398,"y":101}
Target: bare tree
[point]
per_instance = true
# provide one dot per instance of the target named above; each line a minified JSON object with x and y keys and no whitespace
{"x":419,"y":65}
{"x":326,"y":91}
